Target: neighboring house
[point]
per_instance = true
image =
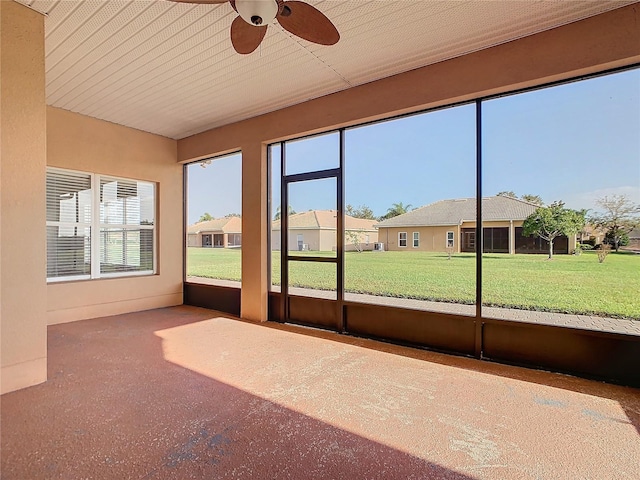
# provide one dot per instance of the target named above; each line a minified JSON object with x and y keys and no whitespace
{"x":452,"y":223}
{"x":591,"y":233}
{"x":634,"y":240}
{"x":315,"y":230}
{"x":217,"y":233}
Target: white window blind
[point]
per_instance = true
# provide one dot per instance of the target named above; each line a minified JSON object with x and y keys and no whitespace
{"x":98,"y":226}
{"x":127,"y":218}
{"x":69,"y":207}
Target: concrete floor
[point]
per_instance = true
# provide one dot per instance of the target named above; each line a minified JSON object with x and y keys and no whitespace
{"x":184,"y":392}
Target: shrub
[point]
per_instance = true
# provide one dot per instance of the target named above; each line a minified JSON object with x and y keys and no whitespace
{"x":603,"y":252}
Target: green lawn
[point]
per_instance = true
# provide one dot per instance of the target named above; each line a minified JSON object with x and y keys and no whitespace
{"x":571,"y":284}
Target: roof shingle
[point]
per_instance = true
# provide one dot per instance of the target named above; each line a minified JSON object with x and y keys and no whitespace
{"x":455,"y":212}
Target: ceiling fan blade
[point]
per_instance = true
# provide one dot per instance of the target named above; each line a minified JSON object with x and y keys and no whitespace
{"x":244,"y":37}
{"x":307,"y":22}
{"x":204,"y":2}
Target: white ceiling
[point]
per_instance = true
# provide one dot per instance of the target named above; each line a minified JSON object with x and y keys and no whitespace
{"x":170,"y":69}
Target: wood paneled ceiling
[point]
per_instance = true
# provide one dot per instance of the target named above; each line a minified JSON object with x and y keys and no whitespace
{"x":170,"y":69}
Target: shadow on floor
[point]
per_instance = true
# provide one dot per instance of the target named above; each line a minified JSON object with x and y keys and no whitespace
{"x":114,"y":408}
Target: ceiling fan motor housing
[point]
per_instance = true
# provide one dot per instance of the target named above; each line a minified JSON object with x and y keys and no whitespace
{"x":257,"y":12}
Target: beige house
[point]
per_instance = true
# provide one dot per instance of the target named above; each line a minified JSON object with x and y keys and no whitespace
{"x":217,"y":233}
{"x":315,"y":230}
{"x":451,"y":224}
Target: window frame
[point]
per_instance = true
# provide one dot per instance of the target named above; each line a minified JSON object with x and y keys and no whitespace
{"x":451,"y":242}
{"x":416,"y":240}
{"x":96,"y":228}
{"x":400,"y":240}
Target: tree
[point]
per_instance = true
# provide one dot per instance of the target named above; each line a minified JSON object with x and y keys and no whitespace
{"x":527,"y":197}
{"x":354,"y":237}
{"x":535,"y":199}
{"x":395,"y":210}
{"x":618,"y":217}
{"x":610,"y":239}
{"x":231,"y":215}
{"x":360,"y":212}
{"x":552,"y":221}
{"x":205,"y":217}
{"x":277,"y":215}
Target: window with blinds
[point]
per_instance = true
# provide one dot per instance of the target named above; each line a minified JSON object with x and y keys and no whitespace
{"x":98,"y":226}
{"x":127,"y":218}
{"x":69,"y":216}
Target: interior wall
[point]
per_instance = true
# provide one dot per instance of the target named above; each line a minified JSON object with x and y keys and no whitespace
{"x":82,"y":143}
{"x":592,"y":45}
{"x":23,"y":325}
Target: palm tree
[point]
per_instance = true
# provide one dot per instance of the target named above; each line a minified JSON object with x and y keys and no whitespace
{"x":395,"y":210}
{"x":277,"y":215}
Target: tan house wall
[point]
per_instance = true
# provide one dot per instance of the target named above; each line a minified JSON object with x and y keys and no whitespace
{"x":319,"y":240}
{"x":592,"y":45}
{"x":23,"y":289}
{"x":432,"y":239}
{"x":194,"y":240}
{"x":310,"y":236}
{"x":328,"y":240}
{"x":82,"y":143}
{"x":373,"y":238}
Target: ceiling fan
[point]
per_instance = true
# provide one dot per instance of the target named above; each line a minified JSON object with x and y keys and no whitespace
{"x":299,"y":18}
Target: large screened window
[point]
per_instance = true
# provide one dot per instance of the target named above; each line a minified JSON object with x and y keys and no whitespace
{"x":522,"y":207}
{"x":561,"y":179}
{"x":410,"y":183}
{"x":99,"y":226}
{"x":214,"y":223}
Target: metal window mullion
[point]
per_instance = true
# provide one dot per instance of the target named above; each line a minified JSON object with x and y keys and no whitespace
{"x":284,"y":242}
{"x":295,"y":258}
{"x":269,"y":220}
{"x":479,"y":239}
{"x":317,"y":175}
{"x":340,"y":233}
{"x":95,"y":226}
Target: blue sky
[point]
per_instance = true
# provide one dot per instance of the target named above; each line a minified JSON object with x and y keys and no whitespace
{"x":575,"y":142}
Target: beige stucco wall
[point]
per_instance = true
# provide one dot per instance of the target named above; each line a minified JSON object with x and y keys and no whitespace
{"x":432,"y":239}
{"x":194,"y":240}
{"x":362,"y":236}
{"x":320,"y":240}
{"x":327,"y":240}
{"x":310,"y":237}
{"x":23,"y":327}
{"x":592,"y":45}
{"x":82,"y":143}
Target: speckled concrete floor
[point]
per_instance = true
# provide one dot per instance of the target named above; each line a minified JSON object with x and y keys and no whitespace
{"x":183,"y":393}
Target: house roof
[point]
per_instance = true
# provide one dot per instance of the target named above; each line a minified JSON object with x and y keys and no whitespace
{"x":169,"y":68}
{"x":455,"y":212}
{"x":217,"y":225}
{"x":324,"y":219}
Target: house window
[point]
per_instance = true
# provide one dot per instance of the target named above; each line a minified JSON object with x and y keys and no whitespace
{"x":366,"y":240}
{"x":98,"y":226}
{"x":450,"y":238}
{"x":234,"y":240}
{"x":416,"y":239}
{"x":402,"y":239}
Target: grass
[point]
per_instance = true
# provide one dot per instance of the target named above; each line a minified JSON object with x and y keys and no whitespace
{"x":567,"y":284}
